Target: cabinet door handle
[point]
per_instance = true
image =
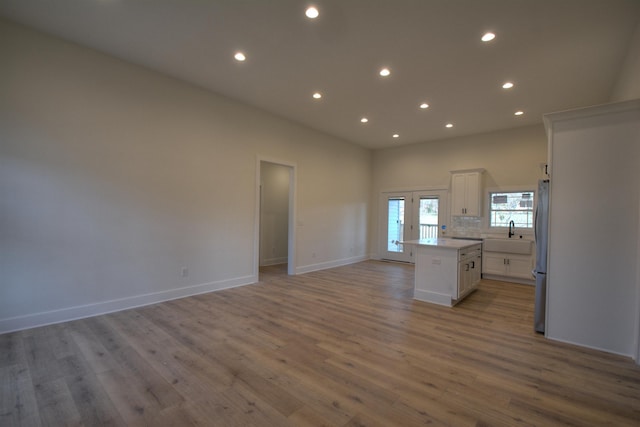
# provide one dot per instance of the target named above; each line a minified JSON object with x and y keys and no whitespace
{"x":467,"y":267}
{"x":473,"y":264}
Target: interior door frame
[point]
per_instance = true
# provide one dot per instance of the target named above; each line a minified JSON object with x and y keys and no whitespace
{"x":291,"y":245}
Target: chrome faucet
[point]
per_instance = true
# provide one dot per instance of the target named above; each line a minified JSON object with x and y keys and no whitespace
{"x":512,"y":225}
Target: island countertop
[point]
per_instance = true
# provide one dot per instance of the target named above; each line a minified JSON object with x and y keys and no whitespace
{"x":442,"y":243}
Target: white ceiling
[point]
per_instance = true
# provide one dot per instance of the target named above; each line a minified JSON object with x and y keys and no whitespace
{"x":560,"y":54}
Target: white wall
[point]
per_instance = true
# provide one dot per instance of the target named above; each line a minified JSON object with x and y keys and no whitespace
{"x":274,"y":213}
{"x":114,"y":178}
{"x":628,"y":85}
{"x":511,"y":158}
{"x":592,"y":273}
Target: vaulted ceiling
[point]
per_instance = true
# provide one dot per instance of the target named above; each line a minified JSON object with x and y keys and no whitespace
{"x":558,"y":54}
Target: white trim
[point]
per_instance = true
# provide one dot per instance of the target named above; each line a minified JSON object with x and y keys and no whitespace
{"x":513,"y":188}
{"x":331,"y":264}
{"x":274,"y":261}
{"x":637,"y":330}
{"x":550,"y":120}
{"x":606,"y":350}
{"x":293,"y":212}
{"x":432,"y":297}
{"x":415,"y":189}
{"x":89,"y":310}
{"x":481,"y":170}
{"x":508,"y":279}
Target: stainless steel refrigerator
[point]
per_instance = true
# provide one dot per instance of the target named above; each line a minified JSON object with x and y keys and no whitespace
{"x":542,"y":241}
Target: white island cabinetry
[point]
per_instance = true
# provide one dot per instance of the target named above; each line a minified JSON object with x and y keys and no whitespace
{"x":447,"y":270}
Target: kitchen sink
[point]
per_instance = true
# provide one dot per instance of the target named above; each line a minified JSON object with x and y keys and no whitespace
{"x":512,"y":246}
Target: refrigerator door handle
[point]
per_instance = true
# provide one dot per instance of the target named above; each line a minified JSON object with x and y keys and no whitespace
{"x":535,"y":224}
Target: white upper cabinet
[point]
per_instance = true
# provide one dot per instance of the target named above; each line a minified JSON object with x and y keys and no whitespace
{"x":466,"y":192}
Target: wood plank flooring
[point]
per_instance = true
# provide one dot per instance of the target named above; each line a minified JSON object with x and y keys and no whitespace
{"x":341,"y":347}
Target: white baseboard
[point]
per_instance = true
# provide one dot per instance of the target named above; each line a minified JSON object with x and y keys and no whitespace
{"x":577,"y":344}
{"x":509,"y":279}
{"x":79,"y":312}
{"x":432,"y":297}
{"x":330,"y":264}
{"x":274,"y":261}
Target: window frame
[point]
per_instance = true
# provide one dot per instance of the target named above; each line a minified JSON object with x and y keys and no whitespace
{"x":519,"y":189}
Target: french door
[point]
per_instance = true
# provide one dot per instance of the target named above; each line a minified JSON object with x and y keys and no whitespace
{"x":410,"y":216}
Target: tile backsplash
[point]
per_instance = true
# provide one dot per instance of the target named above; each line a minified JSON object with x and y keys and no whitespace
{"x":469,"y":226}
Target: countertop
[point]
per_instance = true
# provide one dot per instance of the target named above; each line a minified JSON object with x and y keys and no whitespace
{"x":443,"y":243}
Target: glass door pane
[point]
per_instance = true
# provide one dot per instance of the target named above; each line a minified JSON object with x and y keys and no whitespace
{"x":395,"y":224}
{"x":428,"y":217}
{"x":430,"y":214}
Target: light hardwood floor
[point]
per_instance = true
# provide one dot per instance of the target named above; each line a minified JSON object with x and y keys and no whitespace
{"x":341,"y":347}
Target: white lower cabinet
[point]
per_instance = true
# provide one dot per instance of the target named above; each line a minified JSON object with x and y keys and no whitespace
{"x":507,"y":265}
{"x":469,"y":270}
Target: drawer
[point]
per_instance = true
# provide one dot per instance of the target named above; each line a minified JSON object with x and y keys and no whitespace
{"x":470,"y":252}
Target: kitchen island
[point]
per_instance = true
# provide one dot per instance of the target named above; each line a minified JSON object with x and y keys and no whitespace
{"x":447,"y":270}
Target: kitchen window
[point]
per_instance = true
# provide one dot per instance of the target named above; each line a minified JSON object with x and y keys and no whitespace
{"x":507,"y":206}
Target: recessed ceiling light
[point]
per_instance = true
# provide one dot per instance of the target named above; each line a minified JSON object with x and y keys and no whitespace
{"x":364,"y":120}
{"x":487,"y":37}
{"x":395,"y":135}
{"x":239,"y":56}
{"x":312,"y":12}
{"x":507,"y":85}
{"x":317,"y":95}
{"x":385,"y":72}
{"x":449,"y":125}
{"x":518,"y":113}
{"x":424,"y":105}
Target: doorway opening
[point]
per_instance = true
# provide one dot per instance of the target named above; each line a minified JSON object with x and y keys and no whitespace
{"x":275,"y":217}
